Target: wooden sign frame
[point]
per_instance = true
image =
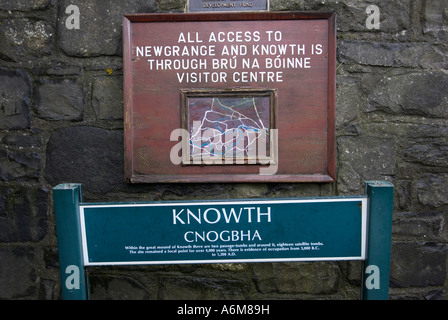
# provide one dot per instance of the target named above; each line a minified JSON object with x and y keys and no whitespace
{"x":169,"y":56}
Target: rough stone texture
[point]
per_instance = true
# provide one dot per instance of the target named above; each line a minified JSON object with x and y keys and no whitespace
{"x":395,"y":14}
{"x":424,"y":94}
{"x":364,"y":158}
{"x":92,"y":38}
{"x":59,"y":100}
{"x":349,"y":100}
{"x":61,"y":120}
{"x":426,"y":268}
{"x":435,"y":19}
{"x":395,"y":54}
{"x":14,"y":100}
{"x":297,"y":278}
{"x":19,"y":166}
{"x":432,"y":190}
{"x":24,"y":5}
{"x":23,"y":215}
{"x":17,"y":273}
{"x":107,"y":98}
{"x":21,"y":38}
{"x":424,"y":225}
{"x":431,"y":153}
{"x":199,"y":288}
{"x":112,"y":288}
{"x":21,"y":141}
{"x":88,"y":155}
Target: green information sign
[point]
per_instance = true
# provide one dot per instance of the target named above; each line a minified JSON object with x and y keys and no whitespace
{"x":224,"y":231}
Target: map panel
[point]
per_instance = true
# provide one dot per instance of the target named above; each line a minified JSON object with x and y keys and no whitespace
{"x":229,"y":129}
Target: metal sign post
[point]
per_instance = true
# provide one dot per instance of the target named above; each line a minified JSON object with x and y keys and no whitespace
{"x":225,"y":231}
{"x":67,"y":198}
{"x":377,"y":264}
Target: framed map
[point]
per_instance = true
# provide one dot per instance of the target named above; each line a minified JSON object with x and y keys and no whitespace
{"x":227,"y":127}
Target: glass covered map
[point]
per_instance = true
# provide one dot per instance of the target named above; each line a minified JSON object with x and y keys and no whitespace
{"x":227,"y":129}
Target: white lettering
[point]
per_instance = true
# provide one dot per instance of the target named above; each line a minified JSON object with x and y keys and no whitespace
{"x":199,"y":77}
{"x":176,"y":217}
{"x":260,"y":76}
{"x":214,"y":215}
{"x":235,"y":36}
{"x":267,"y":214}
{"x":225,"y":235}
{"x":218,"y":215}
{"x":232,"y":213}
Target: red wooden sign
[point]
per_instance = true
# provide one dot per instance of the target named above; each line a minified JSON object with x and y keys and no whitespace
{"x":235,"y":97}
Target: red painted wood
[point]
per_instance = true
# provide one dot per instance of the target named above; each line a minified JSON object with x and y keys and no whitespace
{"x":305,"y":115}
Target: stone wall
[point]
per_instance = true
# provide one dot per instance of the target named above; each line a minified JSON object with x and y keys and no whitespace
{"x":61,"y":121}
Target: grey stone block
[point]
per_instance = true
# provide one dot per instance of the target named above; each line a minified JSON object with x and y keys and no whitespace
{"x":15,"y":91}
{"x":59,"y":100}
{"x":87,"y":155}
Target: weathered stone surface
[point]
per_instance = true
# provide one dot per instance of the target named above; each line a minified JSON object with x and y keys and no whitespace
{"x":171,"y":5}
{"x":428,"y":153}
{"x":438,"y":294}
{"x":107,"y":98}
{"x":188,"y":288}
{"x":24,"y":5}
{"x":17,"y":273}
{"x":348,"y":96}
{"x":311,"y":278}
{"x":247,"y":191}
{"x":423,"y":94}
{"x":21,"y":141}
{"x":424,"y":225}
{"x":47,"y":290}
{"x":15,"y":91}
{"x":23,"y":214}
{"x":20,"y":166}
{"x":432,"y":132}
{"x":435,"y":19}
{"x":113,"y":288}
{"x":59,"y":100}
{"x":93,"y":38}
{"x":394,"y":54}
{"x":426,"y":268}
{"x":394,"y":15}
{"x":24,"y":37}
{"x":432,"y":190}
{"x":91,"y":156}
{"x":291,"y":190}
{"x":364,"y":158}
